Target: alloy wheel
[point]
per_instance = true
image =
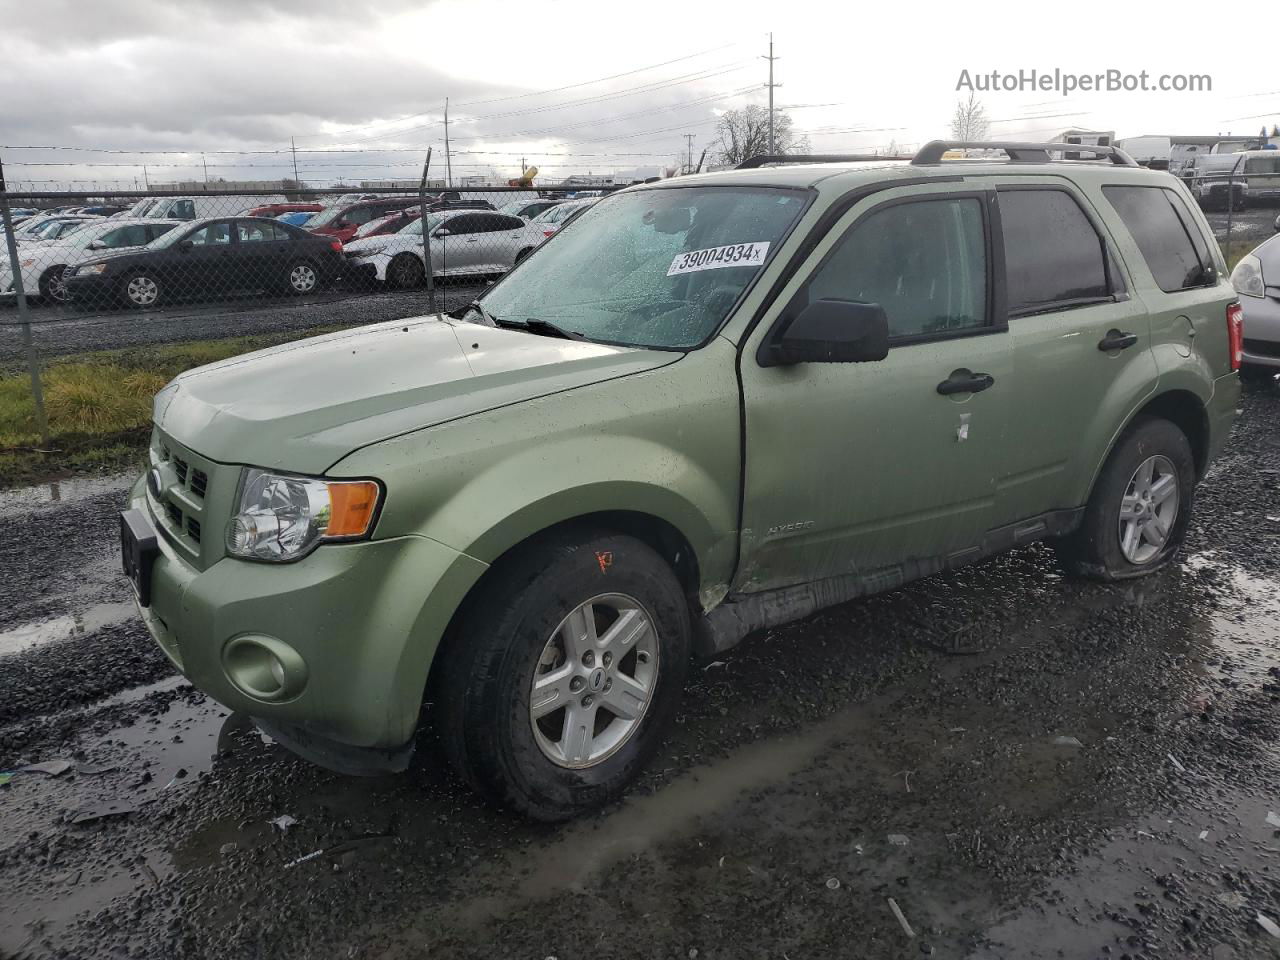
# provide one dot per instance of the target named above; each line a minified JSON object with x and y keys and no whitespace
{"x":142,"y":291}
{"x":302,"y":278}
{"x":594,"y":681}
{"x":1148,"y":510}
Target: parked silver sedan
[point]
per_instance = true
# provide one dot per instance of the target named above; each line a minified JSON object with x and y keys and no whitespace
{"x":1257,"y":280}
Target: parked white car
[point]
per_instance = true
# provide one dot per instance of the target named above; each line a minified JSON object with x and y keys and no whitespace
{"x":52,"y":226}
{"x":549,"y":221}
{"x":209,"y":205}
{"x":463,"y":243}
{"x":43,"y":264}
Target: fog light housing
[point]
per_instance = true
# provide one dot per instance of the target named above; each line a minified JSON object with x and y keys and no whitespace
{"x":264,"y":668}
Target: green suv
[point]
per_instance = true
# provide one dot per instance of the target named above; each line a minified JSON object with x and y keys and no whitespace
{"x":708,"y":406}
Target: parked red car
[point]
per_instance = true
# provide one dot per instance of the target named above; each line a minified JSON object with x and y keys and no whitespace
{"x":275,"y":209}
{"x":342,"y":221}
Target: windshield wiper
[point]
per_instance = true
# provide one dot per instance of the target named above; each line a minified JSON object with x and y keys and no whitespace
{"x":542,"y":328}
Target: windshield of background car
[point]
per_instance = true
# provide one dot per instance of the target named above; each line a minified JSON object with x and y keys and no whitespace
{"x":327,"y":216}
{"x":414,"y":229}
{"x":655,"y":268}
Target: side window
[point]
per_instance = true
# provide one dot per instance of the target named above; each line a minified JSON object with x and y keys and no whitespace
{"x":212,"y":234}
{"x":155,"y":231}
{"x":251,"y":231}
{"x":1053,"y":256}
{"x":1166,"y":239}
{"x":463,"y":224}
{"x":924,"y":262}
{"x":183,"y":210}
{"x":509,"y":223}
{"x":359,"y":216}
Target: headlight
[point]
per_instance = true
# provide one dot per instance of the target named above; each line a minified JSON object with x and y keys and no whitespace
{"x":283,"y":518}
{"x":1247,"y":277}
{"x":90,"y":269}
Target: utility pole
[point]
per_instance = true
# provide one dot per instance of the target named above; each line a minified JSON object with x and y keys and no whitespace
{"x":206,"y":167}
{"x":145,"y":179}
{"x":448,"y":161}
{"x":773,"y":146}
{"x":688,"y":165}
{"x":293,"y":145}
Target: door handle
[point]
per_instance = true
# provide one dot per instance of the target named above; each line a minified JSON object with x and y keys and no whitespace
{"x":473,"y":240}
{"x":965,"y":381}
{"x":1117,"y":340}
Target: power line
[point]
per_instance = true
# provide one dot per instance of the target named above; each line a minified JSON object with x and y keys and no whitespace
{"x":533,"y":93}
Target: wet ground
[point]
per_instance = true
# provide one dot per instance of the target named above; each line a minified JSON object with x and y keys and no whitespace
{"x":1092,"y":778}
{"x":58,"y":331}
{"x":1254,"y":224}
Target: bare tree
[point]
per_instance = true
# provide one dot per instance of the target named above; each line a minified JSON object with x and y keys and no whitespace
{"x":744,"y":133}
{"x":969,"y":122}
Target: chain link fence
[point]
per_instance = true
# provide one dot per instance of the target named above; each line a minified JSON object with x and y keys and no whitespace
{"x":141,"y":251}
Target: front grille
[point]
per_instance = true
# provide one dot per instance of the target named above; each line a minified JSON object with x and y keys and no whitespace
{"x":1262,"y":348}
{"x":189,"y":487}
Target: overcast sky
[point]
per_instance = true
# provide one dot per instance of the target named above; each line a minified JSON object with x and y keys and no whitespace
{"x":530,"y":79}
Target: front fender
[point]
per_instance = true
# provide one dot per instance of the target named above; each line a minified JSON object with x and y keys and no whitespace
{"x":663,"y":443}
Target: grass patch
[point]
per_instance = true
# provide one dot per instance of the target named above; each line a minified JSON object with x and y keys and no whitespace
{"x":99,"y":405}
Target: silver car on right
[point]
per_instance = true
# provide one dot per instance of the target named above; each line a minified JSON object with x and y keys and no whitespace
{"x":1257,"y":280}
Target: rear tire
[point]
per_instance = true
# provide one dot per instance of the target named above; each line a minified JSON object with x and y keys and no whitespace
{"x":405,"y":271}
{"x":560,"y":750}
{"x":53,"y":288}
{"x":301,"y":278}
{"x":1140,"y":507}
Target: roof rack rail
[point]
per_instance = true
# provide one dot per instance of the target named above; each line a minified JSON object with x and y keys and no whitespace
{"x":932,"y":152}
{"x":751,"y":163}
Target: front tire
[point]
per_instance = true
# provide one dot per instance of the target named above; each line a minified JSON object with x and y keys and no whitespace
{"x":1138,"y":513}
{"x":141,"y":290}
{"x":563,"y":674}
{"x":405,"y":271}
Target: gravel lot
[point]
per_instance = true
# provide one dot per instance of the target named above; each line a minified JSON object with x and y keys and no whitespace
{"x":1092,"y":779}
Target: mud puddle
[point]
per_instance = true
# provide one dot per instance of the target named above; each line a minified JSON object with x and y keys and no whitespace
{"x":65,"y":627}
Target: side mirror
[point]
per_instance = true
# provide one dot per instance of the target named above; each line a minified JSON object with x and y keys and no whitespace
{"x":442,"y":232}
{"x":831,"y":331}
{"x":96,"y":245}
{"x":186,"y":246}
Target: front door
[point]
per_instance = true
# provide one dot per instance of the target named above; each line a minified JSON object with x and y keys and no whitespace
{"x":855,"y":467}
{"x":206,"y":262}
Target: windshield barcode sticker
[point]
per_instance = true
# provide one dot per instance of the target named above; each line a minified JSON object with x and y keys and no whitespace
{"x":712,"y":258}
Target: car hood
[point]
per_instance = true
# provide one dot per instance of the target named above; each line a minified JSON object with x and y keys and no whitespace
{"x":303,"y":406}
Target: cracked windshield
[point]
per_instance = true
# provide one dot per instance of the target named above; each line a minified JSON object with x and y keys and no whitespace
{"x":656,"y":268}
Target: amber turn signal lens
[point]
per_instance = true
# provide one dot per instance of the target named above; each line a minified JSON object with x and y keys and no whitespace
{"x":351,"y":508}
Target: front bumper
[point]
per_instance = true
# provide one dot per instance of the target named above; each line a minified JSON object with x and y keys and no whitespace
{"x":1261,"y":331}
{"x":374,"y":267}
{"x":90,"y":288}
{"x":359,"y":624}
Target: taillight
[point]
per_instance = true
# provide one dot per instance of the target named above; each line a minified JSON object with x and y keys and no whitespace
{"x":548,"y":233}
{"x":1235,"y":334}
{"x":336,"y":246}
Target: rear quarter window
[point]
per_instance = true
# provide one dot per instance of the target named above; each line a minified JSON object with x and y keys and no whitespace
{"x":1168,"y":238}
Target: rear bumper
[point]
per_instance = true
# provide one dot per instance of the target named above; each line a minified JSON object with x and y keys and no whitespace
{"x":1221,"y":410}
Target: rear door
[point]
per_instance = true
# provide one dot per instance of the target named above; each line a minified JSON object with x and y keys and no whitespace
{"x":263,"y":252}
{"x":860,"y":467}
{"x":1081,"y":343}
